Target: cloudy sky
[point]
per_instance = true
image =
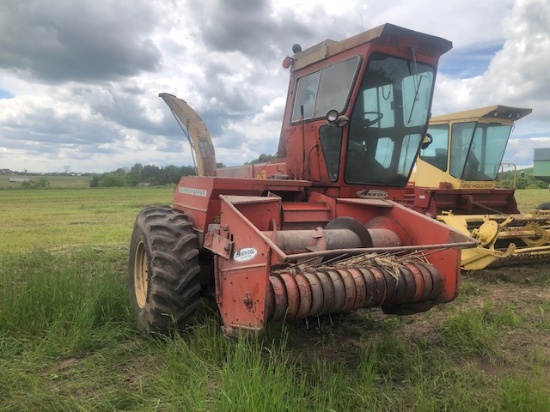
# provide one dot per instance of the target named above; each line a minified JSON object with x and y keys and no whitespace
{"x":79,"y":80}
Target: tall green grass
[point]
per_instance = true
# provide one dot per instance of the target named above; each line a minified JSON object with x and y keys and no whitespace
{"x":56,"y":306}
{"x":69,"y":302}
{"x":473,"y":331}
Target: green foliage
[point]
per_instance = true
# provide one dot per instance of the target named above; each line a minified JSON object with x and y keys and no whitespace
{"x":524,"y":180}
{"x":139,"y":174}
{"x":41,"y":183}
{"x":262,"y":159}
{"x":112,"y":180}
{"x":94,"y":182}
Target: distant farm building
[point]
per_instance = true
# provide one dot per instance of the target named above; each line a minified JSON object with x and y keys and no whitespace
{"x":18,"y":179}
{"x":541,"y":167}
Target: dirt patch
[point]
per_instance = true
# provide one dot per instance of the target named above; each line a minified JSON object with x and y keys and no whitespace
{"x":67,"y":363}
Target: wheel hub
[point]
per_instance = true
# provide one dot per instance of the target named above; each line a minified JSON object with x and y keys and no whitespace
{"x":141,"y":275}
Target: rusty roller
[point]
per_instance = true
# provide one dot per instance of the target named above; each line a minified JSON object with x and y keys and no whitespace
{"x":314,"y":292}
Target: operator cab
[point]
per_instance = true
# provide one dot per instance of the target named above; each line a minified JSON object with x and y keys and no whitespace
{"x":476,"y":149}
{"x":358,"y":109}
{"x":387,"y":121}
{"x":470,"y":146}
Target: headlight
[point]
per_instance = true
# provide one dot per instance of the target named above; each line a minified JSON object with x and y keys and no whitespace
{"x":332,"y":116}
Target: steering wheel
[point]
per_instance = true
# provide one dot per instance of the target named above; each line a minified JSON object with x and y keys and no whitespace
{"x":370,"y":122}
{"x":428,"y":139}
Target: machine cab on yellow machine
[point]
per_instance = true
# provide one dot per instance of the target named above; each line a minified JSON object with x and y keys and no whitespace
{"x":455,"y":182}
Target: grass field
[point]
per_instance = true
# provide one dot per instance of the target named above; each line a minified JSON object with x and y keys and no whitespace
{"x":73,"y":218}
{"x":529,"y":199}
{"x":68,"y":340}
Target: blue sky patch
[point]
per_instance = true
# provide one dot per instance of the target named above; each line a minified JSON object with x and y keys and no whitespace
{"x":468,"y":62}
{"x":5,"y":94}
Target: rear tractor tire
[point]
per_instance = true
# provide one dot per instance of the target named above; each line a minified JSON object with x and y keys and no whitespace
{"x":163,"y":270}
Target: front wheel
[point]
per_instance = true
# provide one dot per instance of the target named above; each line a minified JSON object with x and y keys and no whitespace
{"x":163,"y":270}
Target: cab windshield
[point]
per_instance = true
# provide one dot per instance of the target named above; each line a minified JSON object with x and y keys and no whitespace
{"x":477,"y":150}
{"x":388,"y":121}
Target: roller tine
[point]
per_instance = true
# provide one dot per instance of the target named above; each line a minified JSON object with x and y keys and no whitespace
{"x":371,"y":287}
{"x":317,"y":294}
{"x":305,"y":296}
{"x":391,"y":286}
{"x":360,"y":288}
{"x":328,"y":291}
{"x":351,"y":293}
{"x":339,"y":291}
{"x":408,"y":278}
{"x":280,"y":297}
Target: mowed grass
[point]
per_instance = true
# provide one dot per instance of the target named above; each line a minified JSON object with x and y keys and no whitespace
{"x":529,"y":199}
{"x":68,"y":340}
{"x":71,"y":218}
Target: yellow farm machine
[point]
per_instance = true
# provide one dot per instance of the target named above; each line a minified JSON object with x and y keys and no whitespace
{"x":318,"y":230}
{"x":455,"y":181}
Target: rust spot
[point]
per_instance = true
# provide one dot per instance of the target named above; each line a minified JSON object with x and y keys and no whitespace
{"x":248,"y":302}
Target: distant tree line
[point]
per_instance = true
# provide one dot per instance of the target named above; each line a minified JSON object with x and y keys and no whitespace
{"x":524,"y":179}
{"x":139,"y":174}
{"x":262,"y":159}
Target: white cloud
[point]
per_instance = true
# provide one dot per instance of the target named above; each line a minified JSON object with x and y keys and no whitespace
{"x":86,"y":85}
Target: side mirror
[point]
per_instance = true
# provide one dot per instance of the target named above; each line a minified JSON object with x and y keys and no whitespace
{"x":428,"y":139}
